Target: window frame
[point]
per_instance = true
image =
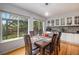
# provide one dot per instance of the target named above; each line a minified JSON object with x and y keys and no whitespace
{"x":38,"y":26}
{"x":1,"y":27}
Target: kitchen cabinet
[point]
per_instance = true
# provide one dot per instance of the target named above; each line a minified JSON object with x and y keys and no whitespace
{"x":69,"y":20}
{"x":57,"y":22}
{"x":72,"y":38}
{"x":64,"y":21}
{"x":76,"y":20}
{"x":52,"y":22}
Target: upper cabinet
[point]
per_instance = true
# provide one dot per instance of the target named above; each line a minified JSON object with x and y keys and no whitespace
{"x":69,"y":21}
{"x":64,"y":21}
{"x":76,"y":20}
{"x":52,"y":22}
{"x":57,"y":22}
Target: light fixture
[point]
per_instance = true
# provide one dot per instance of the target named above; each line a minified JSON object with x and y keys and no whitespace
{"x":46,"y":14}
{"x":46,"y":4}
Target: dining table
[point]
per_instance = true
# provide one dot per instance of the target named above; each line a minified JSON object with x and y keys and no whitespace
{"x":41,"y":42}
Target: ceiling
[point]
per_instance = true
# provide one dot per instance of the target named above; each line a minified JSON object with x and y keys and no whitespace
{"x":52,"y":9}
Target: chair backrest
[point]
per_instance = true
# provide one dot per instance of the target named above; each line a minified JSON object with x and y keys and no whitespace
{"x":58,"y":39}
{"x":32,"y":33}
{"x":28,"y":44}
{"x":54,"y":40}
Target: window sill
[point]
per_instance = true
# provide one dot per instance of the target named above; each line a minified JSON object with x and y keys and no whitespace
{"x":8,"y":40}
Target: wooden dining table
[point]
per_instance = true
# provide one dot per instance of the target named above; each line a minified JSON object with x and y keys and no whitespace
{"x":42,"y":43}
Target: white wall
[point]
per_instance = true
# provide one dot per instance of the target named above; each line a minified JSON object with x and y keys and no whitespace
{"x":11,"y":45}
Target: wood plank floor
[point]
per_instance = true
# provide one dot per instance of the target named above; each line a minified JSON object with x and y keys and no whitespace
{"x":65,"y":49}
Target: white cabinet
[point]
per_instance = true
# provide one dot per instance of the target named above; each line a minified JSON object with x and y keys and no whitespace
{"x":69,"y":21}
{"x":57,"y":22}
{"x":64,"y":21}
{"x":70,"y":37}
{"x":76,"y":20}
{"x":52,"y":23}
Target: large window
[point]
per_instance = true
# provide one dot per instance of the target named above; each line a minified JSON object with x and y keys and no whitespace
{"x":23,"y":28}
{"x":38,"y":27}
{"x":13,"y":26}
{"x":9,"y":29}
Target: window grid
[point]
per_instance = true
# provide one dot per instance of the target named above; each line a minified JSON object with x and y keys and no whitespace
{"x":10,"y":20}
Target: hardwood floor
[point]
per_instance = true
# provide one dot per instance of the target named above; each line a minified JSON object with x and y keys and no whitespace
{"x":65,"y":49}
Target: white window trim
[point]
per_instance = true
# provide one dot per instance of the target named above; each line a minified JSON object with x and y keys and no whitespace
{"x":12,"y":39}
{"x":0,"y":26}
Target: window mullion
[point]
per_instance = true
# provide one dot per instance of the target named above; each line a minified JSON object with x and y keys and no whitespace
{"x":0,"y":27}
{"x":18,"y":28}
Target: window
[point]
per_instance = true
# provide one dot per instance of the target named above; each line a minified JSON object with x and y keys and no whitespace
{"x":23,"y":27}
{"x":9,"y":26}
{"x":13,"y":26}
{"x":38,"y":27}
{"x":9,"y":29}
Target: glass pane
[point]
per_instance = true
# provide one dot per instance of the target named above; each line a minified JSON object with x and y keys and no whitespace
{"x":69,"y":20}
{"x":12,"y":29}
{"x":9,"y":29}
{"x":23,"y":28}
{"x":4,"y":29}
{"x":57,"y":21}
{"x":6,"y":15}
{"x":35,"y":26}
{"x":38,"y":28}
{"x":52,"y":21}
{"x":62,"y":21}
{"x":77,"y":20}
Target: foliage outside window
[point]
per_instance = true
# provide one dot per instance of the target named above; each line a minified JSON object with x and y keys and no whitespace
{"x":23,"y":28}
{"x":11,"y":25}
{"x":38,"y":27}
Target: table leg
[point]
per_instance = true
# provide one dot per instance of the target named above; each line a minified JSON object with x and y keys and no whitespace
{"x":42,"y":51}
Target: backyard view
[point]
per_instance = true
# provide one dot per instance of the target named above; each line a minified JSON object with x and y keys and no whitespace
{"x":17,"y":26}
{"x":38,"y":27}
{"x":13,"y":27}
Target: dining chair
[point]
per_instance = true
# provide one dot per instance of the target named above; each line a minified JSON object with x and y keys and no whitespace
{"x":52,"y":47}
{"x":57,"y":43}
{"x":29,"y":50}
{"x":32,"y":33}
{"x":58,"y":40}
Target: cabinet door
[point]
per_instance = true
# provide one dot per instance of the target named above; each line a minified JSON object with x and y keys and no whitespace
{"x":52,"y":22}
{"x":49,"y":23}
{"x":76,"y":20}
{"x":57,"y":22}
{"x":69,"y":20}
{"x":62,"y":21}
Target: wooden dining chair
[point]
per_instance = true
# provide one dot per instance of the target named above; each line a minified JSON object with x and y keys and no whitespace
{"x":58,"y":40}
{"x":28,"y":46}
{"x":57,"y":43}
{"x":52,"y":47}
{"x":32,"y":33}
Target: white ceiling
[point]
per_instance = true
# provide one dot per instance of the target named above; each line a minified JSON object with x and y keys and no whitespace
{"x":53,"y":9}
